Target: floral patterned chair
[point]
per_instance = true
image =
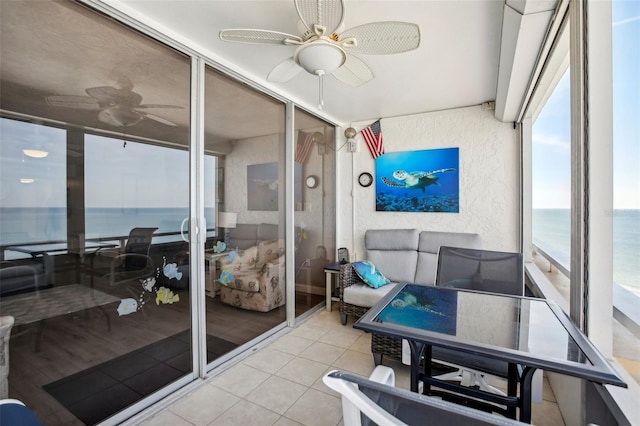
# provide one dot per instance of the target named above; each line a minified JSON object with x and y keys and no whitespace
{"x":253,"y":279}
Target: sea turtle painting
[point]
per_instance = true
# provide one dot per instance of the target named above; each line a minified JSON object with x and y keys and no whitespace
{"x":414,"y":180}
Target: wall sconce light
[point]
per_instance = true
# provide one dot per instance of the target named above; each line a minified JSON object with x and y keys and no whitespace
{"x":350,"y":133}
{"x":27,"y":180}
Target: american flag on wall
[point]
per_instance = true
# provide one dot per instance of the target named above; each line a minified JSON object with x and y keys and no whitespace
{"x":373,"y":137}
{"x":303,"y":146}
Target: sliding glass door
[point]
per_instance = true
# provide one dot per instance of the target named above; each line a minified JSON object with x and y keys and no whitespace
{"x":245,"y":261}
{"x":94,"y":151}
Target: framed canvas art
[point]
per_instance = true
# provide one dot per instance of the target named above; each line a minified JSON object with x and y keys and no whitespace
{"x":263,"y":183}
{"x":418,"y":181}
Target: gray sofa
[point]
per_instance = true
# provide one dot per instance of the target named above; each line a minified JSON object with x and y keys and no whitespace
{"x":402,"y":255}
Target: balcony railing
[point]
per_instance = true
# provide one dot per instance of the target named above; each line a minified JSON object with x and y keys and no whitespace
{"x":625,"y":302}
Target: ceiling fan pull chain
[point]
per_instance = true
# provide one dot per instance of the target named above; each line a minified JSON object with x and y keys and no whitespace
{"x":320,"y":75}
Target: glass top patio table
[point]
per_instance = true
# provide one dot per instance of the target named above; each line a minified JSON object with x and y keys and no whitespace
{"x":529,"y":332}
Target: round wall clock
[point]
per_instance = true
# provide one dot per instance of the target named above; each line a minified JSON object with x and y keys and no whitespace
{"x":365,"y":179}
{"x":311,"y":182}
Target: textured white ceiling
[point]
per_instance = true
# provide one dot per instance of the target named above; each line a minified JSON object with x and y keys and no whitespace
{"x":46,"y":50}
{"x":456,"y":64}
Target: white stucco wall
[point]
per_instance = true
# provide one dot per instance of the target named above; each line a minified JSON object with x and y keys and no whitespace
{"x":489,"y":178}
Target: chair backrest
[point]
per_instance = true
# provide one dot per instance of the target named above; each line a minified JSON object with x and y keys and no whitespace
{"x":482,"y":270}
{"x":394,"y":252}
{"x":429,"y":245}
{"x":382,"y":404}
{"x":139,"y":242}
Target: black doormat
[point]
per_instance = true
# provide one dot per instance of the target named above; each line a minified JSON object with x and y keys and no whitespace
{"x":99,"y":392}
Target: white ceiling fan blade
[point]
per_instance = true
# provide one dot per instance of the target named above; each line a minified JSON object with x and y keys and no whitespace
{"x":112,"y":95}
{"x":258,"y":36}
{"x":71,"y":101}
{"x":156,"y":118}
{"x":326,"y":13}
{"x":383,"y":38}
{"x":353,"y":72}
{"x":147,"y":106}
{"x":284,"y":71}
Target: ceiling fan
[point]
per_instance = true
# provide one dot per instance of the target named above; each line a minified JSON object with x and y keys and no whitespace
{"x":118,"y":106}
{"x":324,"y":48}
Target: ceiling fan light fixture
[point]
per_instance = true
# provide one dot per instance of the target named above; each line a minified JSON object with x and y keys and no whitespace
{"x":35,"y":153}
{"x":119,"y":116}
{"x":320,"y":57}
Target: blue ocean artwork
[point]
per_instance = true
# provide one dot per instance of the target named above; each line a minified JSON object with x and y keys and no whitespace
{"x":418,"y":181}
{"x":421,"y":307}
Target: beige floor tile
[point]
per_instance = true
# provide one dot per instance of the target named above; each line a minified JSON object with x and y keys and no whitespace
{"x":340,"y":337}
{"x":320,"y":386}
{"x":309,"y":331}
{"x":355,"y":362}
{"x":240,"y":379}
{"x":166,"y":418}
{"x":322,"y":352}
{"x":284,"y":421}
{"x":246,"y":413}
{"x":276,"y":394}
{"x":316,"y":408}
{"x":302,"y":371}
{"x":291,"y":344}
{"x":268,"y":360}
{"x":546,"y":414}
{"x":547,"y":391}
{"x":204,"y":404}
{"x":362,"y":344}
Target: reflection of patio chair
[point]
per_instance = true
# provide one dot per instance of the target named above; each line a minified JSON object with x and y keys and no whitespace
{"x":134,"y":262}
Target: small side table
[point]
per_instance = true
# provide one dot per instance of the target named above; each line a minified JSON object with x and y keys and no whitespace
{"x":329,"y":270}
{"x":211,"y":286}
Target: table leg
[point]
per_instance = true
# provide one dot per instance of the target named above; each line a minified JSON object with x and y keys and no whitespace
{"x":525,"y":394}
{"x":329,"y":290}
{"x":417,"y":351}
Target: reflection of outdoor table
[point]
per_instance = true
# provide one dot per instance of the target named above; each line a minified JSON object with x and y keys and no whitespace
{"x":524,"y":332}
{"x":42,"y":249}
{"x":45,"y":250}
{"x":40,"y":305}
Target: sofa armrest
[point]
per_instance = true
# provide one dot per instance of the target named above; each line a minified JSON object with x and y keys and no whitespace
{"x":347,"y":277}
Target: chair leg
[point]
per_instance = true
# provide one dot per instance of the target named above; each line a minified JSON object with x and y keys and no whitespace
{"x":377,"y":359}
{"x":343,"y":318}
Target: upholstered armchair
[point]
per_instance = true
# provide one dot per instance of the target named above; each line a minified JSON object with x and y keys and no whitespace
{"x":253,"y":279}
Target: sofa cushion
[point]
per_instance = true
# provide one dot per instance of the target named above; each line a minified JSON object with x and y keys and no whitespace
{"x":394,"y":252}
{"x":242,"y":236}
{"x":365,"y":296}
{"x":429,"y":245}
{"x":368,"y":273}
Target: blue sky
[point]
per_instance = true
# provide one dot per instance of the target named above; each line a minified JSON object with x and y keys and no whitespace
{"x":551,"y":137}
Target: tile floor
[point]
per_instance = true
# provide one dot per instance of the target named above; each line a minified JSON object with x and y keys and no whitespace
{"x":281,"y":383}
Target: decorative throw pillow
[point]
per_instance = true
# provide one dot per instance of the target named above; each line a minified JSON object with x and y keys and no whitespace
{"x":368,"y":273}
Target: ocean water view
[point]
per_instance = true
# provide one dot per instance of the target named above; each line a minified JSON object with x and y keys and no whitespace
{"x":551,"y":232}
{"x":26,"y":225}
